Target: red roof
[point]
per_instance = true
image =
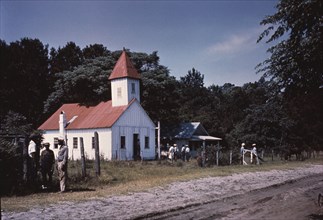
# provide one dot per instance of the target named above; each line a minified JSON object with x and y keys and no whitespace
{"x":124,"y":68}
{"x":102,"y":115}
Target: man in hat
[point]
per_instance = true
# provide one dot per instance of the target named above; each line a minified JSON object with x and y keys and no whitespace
{"x":62,"y":158}
{"x":47,"y":161}
{"x":254,"y":149}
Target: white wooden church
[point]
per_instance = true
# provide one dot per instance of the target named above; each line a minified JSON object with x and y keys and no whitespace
{"x":125,"y":130}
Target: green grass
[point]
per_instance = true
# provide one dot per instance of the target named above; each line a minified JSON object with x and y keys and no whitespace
{"x":121,"y":177}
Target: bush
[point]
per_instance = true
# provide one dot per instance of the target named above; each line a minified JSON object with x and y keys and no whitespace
{"x":10,"y":167}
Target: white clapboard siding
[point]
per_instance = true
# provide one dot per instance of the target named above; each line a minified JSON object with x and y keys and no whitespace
{"x":134,"y":121}
{"x":86,"y":134}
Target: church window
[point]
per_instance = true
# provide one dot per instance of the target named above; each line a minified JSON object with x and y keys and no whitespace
{"x":123,"y":142}
{"x":147,"y":142}
{"x":75,"y":142}
{"x":55,"y":143}
{"x":93,"y":143}
{"x":119,"y":92}
{"x":133,"y":88}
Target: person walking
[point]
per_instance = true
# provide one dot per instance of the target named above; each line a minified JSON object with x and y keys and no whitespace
{"x":47,"y":161}
{"x":62,"y":159}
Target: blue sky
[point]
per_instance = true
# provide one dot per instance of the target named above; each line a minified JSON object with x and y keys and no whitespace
{"x":218,"y":38}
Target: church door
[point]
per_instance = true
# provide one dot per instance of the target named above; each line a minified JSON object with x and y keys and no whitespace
{"x":136,"y":147}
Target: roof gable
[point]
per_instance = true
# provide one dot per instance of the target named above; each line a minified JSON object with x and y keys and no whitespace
{"x":186,"y":130}
{"x":102,"y":115}
{"x":124,"y":68}
{"x":137,"y":114}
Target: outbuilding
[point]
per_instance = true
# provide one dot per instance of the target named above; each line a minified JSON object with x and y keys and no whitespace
{"x":192,"y":134}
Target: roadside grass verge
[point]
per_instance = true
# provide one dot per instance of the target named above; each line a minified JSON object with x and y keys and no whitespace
{"x":122,"y":177}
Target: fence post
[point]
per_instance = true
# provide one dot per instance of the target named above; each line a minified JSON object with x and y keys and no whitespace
{"x":82,"y":157}
{"x":97,"y":154}
{"x":217,"y":157}
{"x":230,"y":157}
{"x":25,"y":160}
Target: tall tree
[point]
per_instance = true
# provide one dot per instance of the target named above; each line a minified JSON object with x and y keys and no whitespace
{"x":295,"y":66}
{"x":86,"y":84}
{"x":160,"y":95}
{"x":94,"y":50}
{"x":24,"y":78}
{"x":65,"y":58}
{"x":193,"y":95}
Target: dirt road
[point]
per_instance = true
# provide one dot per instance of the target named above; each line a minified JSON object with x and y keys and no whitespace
{"x":276,"y":194}
{"x":294,"y":199}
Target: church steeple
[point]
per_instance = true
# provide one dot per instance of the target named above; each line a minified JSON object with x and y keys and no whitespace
{"x":124,"y":68}
{"x":124,"y":81}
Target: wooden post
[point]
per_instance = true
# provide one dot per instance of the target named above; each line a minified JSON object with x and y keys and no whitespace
{"x":82,"y":157}
{"x":25,"y":160}
{"x":97,"y":154}
{"x":230,"y":157}
{"x":203,"y":155}
{"x":251,"y":156}
{"x":217,"y":157}
{"x":141,"y":156}
{"x":158,"y":139}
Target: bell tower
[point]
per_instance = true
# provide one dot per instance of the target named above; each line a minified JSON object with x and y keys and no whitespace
{"x":125,"y":79}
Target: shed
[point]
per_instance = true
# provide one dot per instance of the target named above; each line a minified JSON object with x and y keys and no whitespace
{"x":192,"y":134}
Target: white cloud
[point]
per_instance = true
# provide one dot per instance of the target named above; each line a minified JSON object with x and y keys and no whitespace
{"x":235,"y":43}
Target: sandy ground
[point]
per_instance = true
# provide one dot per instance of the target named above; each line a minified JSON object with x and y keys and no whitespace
{"x":276,"y":194}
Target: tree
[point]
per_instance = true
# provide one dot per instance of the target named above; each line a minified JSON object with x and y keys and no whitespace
{"x":193,"y":79}
{"x":160,"y":95}
{"x":193,"y":95}
{"x":296,"y":64}
{"x":65,"y":58}
{"x":25,"y":80}
{"x":87,"y":84}
{"x":94,"y":50}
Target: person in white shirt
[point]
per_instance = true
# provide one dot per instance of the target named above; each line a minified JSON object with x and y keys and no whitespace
{"x":171,"y":153}
{"x":187,"y":153}
{"x":33,"y":152}
{"x":62,"y":159}
{"x":183,"y":152}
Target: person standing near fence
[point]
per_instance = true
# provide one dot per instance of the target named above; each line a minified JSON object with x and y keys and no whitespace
{"x":187,"y":153}
{"x":33,"y":152}
{"x":171,"y":153}
{"x":47,"y":161}
{"x":62,"y":159}
{"x":242,"y":152}
{"x":183,"y":152}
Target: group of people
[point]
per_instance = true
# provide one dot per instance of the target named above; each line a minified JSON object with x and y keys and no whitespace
{"x":44,"y":162}
{"x":253,"y":151}
{"x":174,"y":153}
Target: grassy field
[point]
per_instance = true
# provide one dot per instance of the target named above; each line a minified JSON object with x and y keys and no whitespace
{"x":119,"y":177}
